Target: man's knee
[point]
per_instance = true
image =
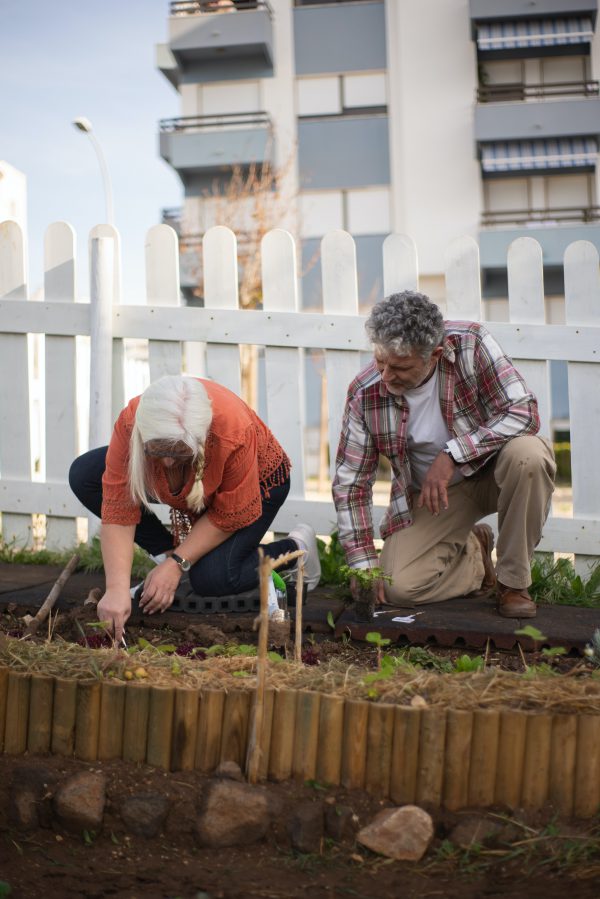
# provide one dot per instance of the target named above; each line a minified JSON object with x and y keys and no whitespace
{"x":529,"y":456}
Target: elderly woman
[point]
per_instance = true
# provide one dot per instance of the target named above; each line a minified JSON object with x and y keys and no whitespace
{"x":197,"y":447}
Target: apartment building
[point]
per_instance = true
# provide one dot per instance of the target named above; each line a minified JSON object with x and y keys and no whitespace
{"x":436,"y":118}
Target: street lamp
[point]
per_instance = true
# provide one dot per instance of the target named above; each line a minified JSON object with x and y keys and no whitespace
{"x":83,"y":124}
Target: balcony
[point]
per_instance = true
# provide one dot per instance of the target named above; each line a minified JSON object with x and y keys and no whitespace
{"x":514,"y":29}
{"x":213,"y":41}
{"x":531,"y":218}
{"x":208,"y":145}
{"x":537,"y":120}
{"x":506,"y":93}
{"x":553,"y":237}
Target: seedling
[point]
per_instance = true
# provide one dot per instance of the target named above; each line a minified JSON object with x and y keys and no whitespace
{"x":469,"y":663}
{"x":366,"y":581}
{"x":533,"y":633}
{"x":380,"y":642}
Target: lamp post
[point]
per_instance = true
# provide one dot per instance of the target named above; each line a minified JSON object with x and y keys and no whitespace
{"x":83,"y":124}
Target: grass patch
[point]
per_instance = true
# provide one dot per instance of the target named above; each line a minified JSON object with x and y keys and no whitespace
{"x":558,"y":583}
{"x":90,"y":557}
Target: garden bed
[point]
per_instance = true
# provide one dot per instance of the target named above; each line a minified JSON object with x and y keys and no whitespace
{"x":393,"y":723}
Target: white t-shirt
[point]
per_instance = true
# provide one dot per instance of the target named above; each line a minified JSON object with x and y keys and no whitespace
{"x":427,"y":430}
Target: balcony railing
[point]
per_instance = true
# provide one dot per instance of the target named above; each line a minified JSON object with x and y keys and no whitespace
{"x":198,"y":7}
{"x":498,"y":93}
{"x":225,"y":120}
{"x":532,"y":217}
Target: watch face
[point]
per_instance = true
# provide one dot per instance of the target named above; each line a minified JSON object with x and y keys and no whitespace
{"x":185,"y":564}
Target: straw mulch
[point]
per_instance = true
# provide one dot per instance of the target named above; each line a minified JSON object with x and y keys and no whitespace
{"x":577,"y":692}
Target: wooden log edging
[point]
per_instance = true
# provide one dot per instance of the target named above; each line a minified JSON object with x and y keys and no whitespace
{"x":440,"y":757}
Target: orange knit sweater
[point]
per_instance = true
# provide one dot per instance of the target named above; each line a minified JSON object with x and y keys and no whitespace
{"x":242,"y":462}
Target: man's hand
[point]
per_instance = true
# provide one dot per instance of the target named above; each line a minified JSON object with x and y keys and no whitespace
{"x":115,"y":608}
{"x":160,"y":586}
{"x":434,"y":492}
{"x":378,"y":590}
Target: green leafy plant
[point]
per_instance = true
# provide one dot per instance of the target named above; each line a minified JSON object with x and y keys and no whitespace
{"x":469,"y":663}
{"x":533,"y":633}
{"x":557,"y":582}
{"x":332,"y":558}
{"x":90,"y":557}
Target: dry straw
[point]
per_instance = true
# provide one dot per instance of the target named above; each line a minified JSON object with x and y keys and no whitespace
{"x":492,"y":689}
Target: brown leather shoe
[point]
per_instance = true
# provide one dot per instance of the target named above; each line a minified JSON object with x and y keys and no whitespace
{"x":485,"y":535}
{"x":514,"y":602}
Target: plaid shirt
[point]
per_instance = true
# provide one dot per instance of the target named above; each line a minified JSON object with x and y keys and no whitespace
{"x":484,"y":402}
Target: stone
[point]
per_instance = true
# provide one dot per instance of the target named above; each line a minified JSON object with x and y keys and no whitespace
{"x":79,"y":802}
{"x":340,"y":822}
{"x":400,"y":833}
{"x":475,"y":829}
{"x":230,"y":770}
{"x":144,"y":814}
{"x":232,"y":814}
{"x":306,"y":827}
{"x":29,"y":803}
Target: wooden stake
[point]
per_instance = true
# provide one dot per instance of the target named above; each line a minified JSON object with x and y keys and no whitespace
{"x":299,"y":611}
{"x":39,"y":731}
{"x":304,"y":765}
{"x":484,"y":754}
{"x":536,"y":764}
{"x":3,"y":695}
{"x":87,"y":720}
{"x":331,"y":731}
{"x":430,"y":772}
{"x":267,"y":728}
{"x":160,"y":727}
{"x":64,"y":715}
{"x":210,"y":725}
{"x":17,"y":713}
{"x":459,"y":729}
{"x":184,"y":729}
{"x":254,"y":744}
{"x":380,"y":733}
{"x":405,"y":755}
{"x":587,"y":769}
{"x":112,"y":717}
{"x":511,"y":754}
{"x":354,"y":752}
{"x":48,"y":604}
{"x":234,"y":734}
{"x":135,"y":724}
{"x":563,"y":752}
{"x":283,"y":734}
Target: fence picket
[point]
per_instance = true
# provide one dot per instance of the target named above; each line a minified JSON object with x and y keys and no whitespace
{"x":219,"y":250}
{"x":118,"y":346}
{"x":340,"y":295}
{"x":582,"y":307}
{"x":526,"y":307}
{"x":284,"y":368}
{"x":463,"y":282}
{"x":15,"y":441}
{"x":60,"y":377}
{"x":400,"y":264}
{"x":101,"y":300}
{"x":162,"y":289}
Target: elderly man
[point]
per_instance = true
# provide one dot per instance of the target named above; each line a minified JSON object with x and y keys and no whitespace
{"x":454,"y":417}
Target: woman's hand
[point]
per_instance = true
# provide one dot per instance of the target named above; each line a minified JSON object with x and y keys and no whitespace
{"x":115,"y":609}
{"x":160,"y":586}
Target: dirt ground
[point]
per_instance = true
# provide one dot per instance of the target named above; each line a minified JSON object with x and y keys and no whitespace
{"x":54,"y":863}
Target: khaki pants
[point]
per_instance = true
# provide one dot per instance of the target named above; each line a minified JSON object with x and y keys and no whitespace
{"x":438,"y":557}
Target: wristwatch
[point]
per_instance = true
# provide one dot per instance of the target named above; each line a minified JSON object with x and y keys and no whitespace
{"x":184,"y":564}
{"x":448,"y":452}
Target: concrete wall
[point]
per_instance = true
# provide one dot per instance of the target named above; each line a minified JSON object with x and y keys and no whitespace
{"x":436,"y":191}
{"x":506,"y":9}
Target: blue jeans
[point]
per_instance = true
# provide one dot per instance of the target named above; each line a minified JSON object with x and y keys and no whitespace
{"x":230,"y":568}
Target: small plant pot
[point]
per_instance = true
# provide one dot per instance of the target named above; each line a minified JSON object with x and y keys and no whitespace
{"x":364,"y":606}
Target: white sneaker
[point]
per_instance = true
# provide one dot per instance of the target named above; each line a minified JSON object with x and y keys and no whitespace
{"x":306,"y":538}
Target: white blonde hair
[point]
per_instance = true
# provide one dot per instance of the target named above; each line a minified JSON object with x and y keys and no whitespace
{"x":174,"y":409}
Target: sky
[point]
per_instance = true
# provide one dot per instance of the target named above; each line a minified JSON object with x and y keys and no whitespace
{"x":60,"y":59}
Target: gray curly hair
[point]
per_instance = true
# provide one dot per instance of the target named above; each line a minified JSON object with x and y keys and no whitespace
{"x":406,"y":323}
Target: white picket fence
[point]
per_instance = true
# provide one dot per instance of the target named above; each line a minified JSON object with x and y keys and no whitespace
{"x":285,"y":333}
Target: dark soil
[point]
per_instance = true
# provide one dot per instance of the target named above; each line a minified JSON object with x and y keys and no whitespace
{"x":54,"y":863}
